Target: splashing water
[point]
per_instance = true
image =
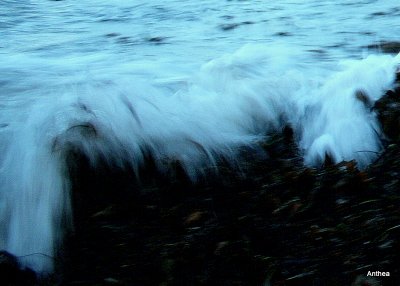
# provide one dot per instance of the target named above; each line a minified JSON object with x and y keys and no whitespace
{"x":233,"y":101}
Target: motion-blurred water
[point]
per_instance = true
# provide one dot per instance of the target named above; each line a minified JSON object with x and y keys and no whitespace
{"x":160,"y":38}
{"x":185,"y":80}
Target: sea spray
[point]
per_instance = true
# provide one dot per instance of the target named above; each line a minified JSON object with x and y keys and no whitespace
{"x":340,"y":123}
{"x":233,"y":101}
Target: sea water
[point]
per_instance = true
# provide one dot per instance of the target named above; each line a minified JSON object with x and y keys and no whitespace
{"x":186,"y":80}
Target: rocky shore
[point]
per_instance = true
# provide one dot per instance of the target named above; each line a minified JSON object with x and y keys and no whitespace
{"x":273,"y":222}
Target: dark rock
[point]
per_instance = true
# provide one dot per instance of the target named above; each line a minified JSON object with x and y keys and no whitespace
{"x":8,"y":261}
{"x":362,"y":96}
{"x":386,"y":47}
{"x":388,"y":110}
{"x":11,"y":272}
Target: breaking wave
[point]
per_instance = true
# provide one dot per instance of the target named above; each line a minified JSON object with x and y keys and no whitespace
{"x":232,"y":102}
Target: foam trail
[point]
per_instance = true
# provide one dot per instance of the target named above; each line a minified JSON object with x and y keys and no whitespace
{"x":231,"y":102}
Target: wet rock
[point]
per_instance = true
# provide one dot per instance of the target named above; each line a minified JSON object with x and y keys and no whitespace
{"x":386,"y":47}
{"x":388,"y":109}
{"x":194,"y":218}
{"x":362,"y":96}
{"x":11,"y":272}
{"x":8,"y":262}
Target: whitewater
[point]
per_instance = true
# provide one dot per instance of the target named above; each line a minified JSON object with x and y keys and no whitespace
{"x":182,"y":81}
